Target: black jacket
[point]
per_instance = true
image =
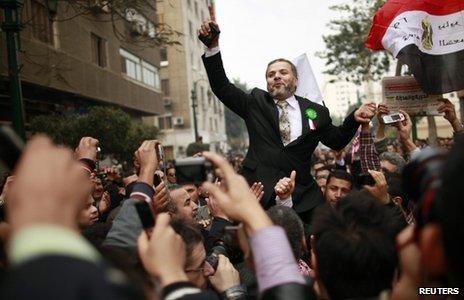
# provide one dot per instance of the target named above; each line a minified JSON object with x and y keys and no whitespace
{"x":268,"y":159}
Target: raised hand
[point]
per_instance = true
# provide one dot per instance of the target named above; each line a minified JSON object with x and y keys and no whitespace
{"x":146,"y":157}
{"x":380,"y":189}
{"x":163,"y":256}
{"x":258,"y":190}
{"x":365,"y":113}
{"x":226,"y":276}
{"x":285,"y":186}
{"x":234,"y":197}
{"x":205,"y":29}
{"x":48,"y":188}
{"x":450,"y":114}
{"x":87,"y":148}
{"x":105,"y":203}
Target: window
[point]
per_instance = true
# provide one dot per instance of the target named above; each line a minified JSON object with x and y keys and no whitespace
{"x":215,"y":125}
{"x":138,"y":69}
{"x":98,"y":45}
{"x":164,"y":54}
{"x":165,"y":87}
{"x":42,"y":24}
{"x":164,"y":57}
{"x":196,"y":8}
{"x":189,"y":3}
{"x":165,"y":122}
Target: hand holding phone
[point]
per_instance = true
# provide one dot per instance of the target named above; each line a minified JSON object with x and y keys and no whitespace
{"x":393,"y":118}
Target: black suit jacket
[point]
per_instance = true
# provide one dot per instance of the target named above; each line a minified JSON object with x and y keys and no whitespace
{"x":268,"y":159}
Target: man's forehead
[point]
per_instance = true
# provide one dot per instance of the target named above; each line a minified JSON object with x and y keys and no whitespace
{"x":179,"y":194}
{"x":339,"y":182}
{"x":279,"y":65}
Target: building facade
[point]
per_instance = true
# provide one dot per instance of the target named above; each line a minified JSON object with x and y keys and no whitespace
{"x":71,"y":61}
{"x":184,"y":80}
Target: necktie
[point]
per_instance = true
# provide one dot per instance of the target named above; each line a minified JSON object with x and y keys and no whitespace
{"x":284,"y":122}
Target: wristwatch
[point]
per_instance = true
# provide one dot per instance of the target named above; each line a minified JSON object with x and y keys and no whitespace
{"x":234,"y":293}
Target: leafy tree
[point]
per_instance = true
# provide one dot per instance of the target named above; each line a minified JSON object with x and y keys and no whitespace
{"x":345,"y":54}
{"x":235,"y":127}
{"x":118,"y":133}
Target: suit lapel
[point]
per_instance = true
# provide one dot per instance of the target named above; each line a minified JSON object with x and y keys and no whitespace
{"x":273,"y":115}
{"x":304,"y":104}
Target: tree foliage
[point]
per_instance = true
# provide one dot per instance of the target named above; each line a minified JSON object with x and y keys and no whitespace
{"x":345,"y":54}
{"x":236,"y":131}
{"x":118,"y":133}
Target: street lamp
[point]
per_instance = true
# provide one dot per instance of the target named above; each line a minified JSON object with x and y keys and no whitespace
{"x":12,"y":26}
{"x":194,"y":107}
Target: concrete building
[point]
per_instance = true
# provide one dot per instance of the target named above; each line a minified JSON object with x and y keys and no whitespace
{"x":339,"y":95}
{"x":71,"y":61}
{"x":182,"y":72}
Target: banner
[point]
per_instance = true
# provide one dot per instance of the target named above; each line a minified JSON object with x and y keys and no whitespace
{"x":404,"y":92}
{"x":426,"y":35}
{"x":307,"y":84}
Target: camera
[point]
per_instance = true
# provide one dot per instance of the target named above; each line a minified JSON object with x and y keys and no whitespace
{"x":393,"y":118}
{"x":226,"y":245}
{"x":365,"y":179}
{"x":422,"y":182}
{"x":11,"y":149}
{"x":194,"y":170}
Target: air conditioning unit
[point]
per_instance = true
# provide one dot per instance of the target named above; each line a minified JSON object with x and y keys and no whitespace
{"x":99,"y":6}
{"x":167,"y":102}
{"x":137,"y":29}
{"x":178,"y":121}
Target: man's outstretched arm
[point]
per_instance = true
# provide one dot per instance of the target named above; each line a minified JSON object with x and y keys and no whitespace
{"x":232,"y":97}
{"x":338,"y":137}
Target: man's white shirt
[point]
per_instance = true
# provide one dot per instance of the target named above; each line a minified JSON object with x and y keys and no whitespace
{"x":294,"y":117}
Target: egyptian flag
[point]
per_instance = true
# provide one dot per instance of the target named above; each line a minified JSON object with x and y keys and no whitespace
{"x":428,"y":36}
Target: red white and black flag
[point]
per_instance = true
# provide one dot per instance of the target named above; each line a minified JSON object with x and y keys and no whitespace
{"x":428,"y":36}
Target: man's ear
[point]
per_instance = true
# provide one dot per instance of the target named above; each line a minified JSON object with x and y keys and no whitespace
{"x":432,"y":251}
{"x":397,"y":200}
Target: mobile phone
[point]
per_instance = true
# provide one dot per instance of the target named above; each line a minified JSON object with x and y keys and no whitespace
{"x":214,"y":32}
{"x":194,"y":170}
{"x":156,"y":180}
{"x":365,"y":179}
{"x":11,"y":148}
{"x":145,"y":214}
{"x":160,"y":152}
{"x":393,"y":118}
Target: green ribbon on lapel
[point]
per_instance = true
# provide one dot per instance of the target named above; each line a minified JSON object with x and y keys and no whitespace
{"x":310,"y":113}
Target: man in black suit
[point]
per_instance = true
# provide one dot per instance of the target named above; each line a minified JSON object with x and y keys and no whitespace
{"x":284,"y":129}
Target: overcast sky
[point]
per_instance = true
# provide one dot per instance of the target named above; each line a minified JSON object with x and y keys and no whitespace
{"x":253,"y":32}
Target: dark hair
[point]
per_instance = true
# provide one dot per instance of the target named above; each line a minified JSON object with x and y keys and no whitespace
{"x":288,"y":219}
{"x":355,"y":246}
{"x":395,"y":189}
{"x":450,"y":212}
{"x":342,"y":175}
{"x":292,"y":66}
{"x":190,"y":234}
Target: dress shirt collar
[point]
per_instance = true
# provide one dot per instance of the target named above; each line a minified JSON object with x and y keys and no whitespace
{"x":292,"y":102}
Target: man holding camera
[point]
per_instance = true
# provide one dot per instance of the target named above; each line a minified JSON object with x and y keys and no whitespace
{"x":284,"y":129}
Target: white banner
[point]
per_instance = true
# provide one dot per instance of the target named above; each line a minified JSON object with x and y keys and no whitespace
{"x":307,"y":84}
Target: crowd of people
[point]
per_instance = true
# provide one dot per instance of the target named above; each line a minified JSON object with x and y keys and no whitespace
{"x":71,"y":230}
{"x":367,"y":218}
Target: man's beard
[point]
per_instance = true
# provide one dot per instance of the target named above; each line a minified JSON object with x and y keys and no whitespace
{"x":280,"y":94}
